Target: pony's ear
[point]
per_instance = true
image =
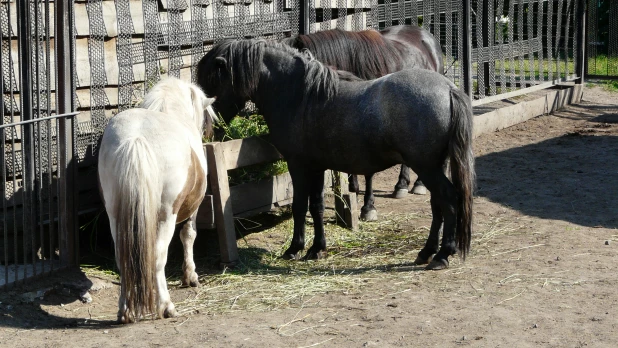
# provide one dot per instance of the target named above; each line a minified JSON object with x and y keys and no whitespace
{"x":209,"y":101}
{"x":221,"y":62}
{"x":198,"y":98}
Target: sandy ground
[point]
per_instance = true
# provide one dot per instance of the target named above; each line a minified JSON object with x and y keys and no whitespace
{"x":542,"y":272}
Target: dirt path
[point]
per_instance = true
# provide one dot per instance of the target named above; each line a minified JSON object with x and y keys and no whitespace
{"x":542,"y":272}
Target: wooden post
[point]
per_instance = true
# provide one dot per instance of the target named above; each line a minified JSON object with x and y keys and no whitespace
{"x":222,"y":204}
{"x":345,"y":202}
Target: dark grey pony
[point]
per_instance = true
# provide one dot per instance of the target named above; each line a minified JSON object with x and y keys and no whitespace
{"x":319,"y":121}
{"x":370,"y":54}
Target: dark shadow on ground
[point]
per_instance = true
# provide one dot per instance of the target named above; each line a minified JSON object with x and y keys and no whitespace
{"x":572,"y":178}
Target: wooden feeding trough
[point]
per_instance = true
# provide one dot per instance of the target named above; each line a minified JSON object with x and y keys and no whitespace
{"x":224,"y":203}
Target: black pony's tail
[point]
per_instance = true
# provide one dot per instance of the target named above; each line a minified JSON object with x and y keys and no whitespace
{"x":462,"y":166}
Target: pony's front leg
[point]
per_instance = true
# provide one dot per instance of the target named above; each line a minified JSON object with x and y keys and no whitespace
{"x":187,"y":236}
{"x":300,"y":183}
{"x":369,"y":211}
{"x":165,"y":307}
{"x":316,"y":208}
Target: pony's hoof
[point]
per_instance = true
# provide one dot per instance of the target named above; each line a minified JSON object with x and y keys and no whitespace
{"x":124,"y":318}
{"x":437,"y":264}
{"x":369,"y":215}
{"x":170,"y":311}
{"x":191,"y":281}
{"x":312,"y":255}
{"x":291,"y":256}
{"x":419,"y":190}
{"x":421,"y":260}
{"x":401,"y":193}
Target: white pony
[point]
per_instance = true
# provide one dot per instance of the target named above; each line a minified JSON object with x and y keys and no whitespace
{"x":152,"y":173}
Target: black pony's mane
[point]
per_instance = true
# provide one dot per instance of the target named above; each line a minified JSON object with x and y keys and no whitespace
{"x":244,"y":61}
{"x":366,"y":54}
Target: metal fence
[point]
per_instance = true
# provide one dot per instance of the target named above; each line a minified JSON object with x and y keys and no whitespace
{"x":512,"y":45}
{"x":37,"y":217}
{"x":106,"y":60}
{"x":602,"y":39}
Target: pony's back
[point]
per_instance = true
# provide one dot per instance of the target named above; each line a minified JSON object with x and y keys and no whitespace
{"x":366,"y":54}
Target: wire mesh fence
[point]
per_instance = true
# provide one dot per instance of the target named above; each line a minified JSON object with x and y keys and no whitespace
{"x":36,"y":140}
{"x":118,"y":49}
{"x":602,"y":39}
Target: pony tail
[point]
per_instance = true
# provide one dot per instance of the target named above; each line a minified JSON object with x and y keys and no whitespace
{"x":462,"y":166}
{"x":136,"y":226}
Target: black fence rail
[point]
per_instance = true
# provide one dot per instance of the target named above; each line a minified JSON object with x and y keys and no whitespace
{"x":37,"y":132}
{"x":602,"y":39}
{"x":35,"y":214}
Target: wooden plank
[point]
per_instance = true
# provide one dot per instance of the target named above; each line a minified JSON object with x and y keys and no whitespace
{"x":511,"y":115}
{"x":108,"y":9}
{"x":345,"y":202}
{"x":222,"y":204}
{"x":347,"y":211}
{"x":248,"y":151}
{"x":180,"y":5}
{"x":249,"y":198}
{"x":349,"y":20}
{"x":111,"y":64}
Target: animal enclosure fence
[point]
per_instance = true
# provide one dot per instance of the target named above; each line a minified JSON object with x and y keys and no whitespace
{"x":99,"y":57}
{"x":602,"y":39}
{"x":37,"y":132}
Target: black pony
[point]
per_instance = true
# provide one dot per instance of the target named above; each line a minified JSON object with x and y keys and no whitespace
{"x":370,"y":54}
{"x":319,"y":121}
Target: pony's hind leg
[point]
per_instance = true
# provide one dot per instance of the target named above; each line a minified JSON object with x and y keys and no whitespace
{"x":353,"y":183}
{"x":165,"y":307}
{"x":444,"y":201}
{"x":401,"y":188}
{"x":369,"y":211}
{"x":433,"y":241}
{"x":187,"y":236}
{"x":419,"y":188}
{"x":124,"y":316}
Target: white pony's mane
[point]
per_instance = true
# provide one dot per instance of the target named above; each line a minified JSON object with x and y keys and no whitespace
{"x":178,"y":98}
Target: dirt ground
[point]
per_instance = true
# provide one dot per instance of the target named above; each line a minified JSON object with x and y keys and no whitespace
{"x":542,"y":271}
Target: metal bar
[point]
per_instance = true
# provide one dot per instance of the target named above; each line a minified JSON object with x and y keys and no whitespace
{"x":580,"y":55}
{"x":466,"y":60}
{"x":539,"y":34}
{"x":5,"y":232}
{"x":24,"y":38}
{"x":50,"y":163}
{"x":37,"y":190}
{"x":522,"y":91}
{"x":485,"y":24}
{"x":68,"y":114}
{"x":550,"y":45}
{"x":303,"y":17}
{"x":67,"y":166}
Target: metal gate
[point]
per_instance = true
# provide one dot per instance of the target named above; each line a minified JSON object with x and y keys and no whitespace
{"x":602,"y":39}
{"x":37,"y":217}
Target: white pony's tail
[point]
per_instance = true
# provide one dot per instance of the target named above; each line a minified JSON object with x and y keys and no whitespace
{"x":137,"y":204}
